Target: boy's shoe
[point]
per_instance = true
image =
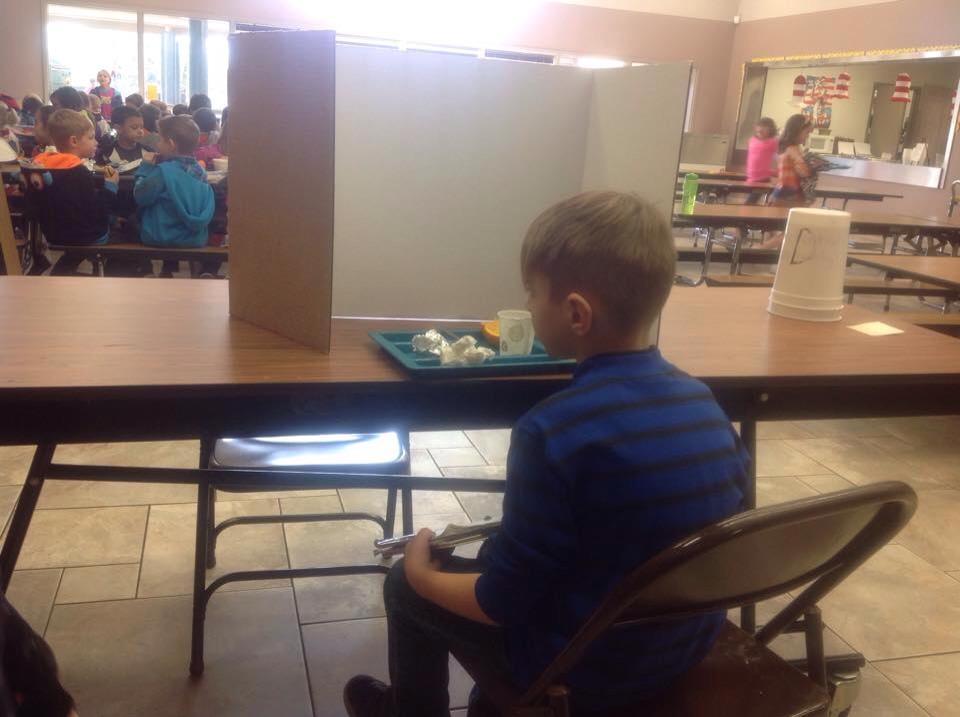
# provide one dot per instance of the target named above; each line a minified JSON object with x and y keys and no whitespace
{"x":365,"y":696}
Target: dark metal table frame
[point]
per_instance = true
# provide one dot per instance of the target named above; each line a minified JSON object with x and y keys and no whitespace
{"x":83,"y":416}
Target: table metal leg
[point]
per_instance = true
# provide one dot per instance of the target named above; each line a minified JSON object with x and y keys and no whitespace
{"x":737,"y":251}
{"x":23,"y":513}
{"x":748,"y":434}
{"x":200,"y":578}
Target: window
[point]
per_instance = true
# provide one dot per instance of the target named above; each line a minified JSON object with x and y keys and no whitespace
{"x":81,"y":41}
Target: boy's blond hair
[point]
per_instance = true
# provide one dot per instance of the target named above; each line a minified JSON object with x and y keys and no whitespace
{"x":64,"y":124}
{"x":612,"y":246}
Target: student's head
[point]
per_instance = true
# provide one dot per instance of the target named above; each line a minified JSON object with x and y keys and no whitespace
{"x":103,"y":78}
{"x":94,"y":102}
{"x":179,"y":135}
{"x":598,"y":267}
{"x":31,"y":103}
{"x":205,"y":118}
{"x":180,"y":109}
{"x":66,"y":98}
{"x":765,"y":128}
{"x":795,"y":131}
{"x":199,"y":100}
{"x":128,"y":122}
{"x":41,"y":118}
{"x":162,"y":106}
{"x":72,"y":133}
{"x":135,"y":100}
{"x":151,"y":115}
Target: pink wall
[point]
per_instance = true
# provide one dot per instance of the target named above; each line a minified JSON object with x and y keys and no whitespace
{"x":901,"y":24}
{"x":552,"y":26}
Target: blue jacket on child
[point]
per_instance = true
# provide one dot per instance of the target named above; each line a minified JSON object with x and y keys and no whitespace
{"x":175,"y":201}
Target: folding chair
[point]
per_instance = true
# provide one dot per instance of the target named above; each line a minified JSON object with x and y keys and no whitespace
{"x":756,"y":555}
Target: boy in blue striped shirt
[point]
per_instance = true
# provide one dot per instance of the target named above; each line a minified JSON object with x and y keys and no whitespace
{"x":633,"y":456}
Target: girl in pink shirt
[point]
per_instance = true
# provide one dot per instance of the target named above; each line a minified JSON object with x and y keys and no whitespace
{"x":762,"y":150}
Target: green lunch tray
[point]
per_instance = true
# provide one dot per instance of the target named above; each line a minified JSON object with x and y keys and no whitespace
{"x":397,"y":344}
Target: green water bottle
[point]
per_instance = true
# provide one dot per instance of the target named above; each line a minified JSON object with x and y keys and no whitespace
{"x":691,"y":182}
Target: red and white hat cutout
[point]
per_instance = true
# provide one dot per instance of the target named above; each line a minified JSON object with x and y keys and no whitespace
{"x":799,"y":87}
{"x":901,"y":92}
{"x":842,"y":91}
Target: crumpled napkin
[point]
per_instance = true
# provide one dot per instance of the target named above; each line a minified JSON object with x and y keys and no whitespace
{"x":462,"y":352}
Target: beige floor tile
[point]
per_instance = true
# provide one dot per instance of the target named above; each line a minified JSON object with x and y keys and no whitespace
{"x":169,"y":549}
{"x":422,"y":464}
{"x":32,"y":593}
{"x":934,"y":532}
{"x":8,"y":499}
{"x":160,"y":454}
{"x":955,"y":574}
{"x":778,"y":458}
{"x":320,"y":544}
{"x":493,"y":444}
{"x":861,"y":461}
{"x":829,"y":483}
{"x":451,"y":457}
{"x":94,"y":494}
{"x":896,"y":605}
{"x":781,"y":430}
{"x":84,"y":536}
{"x":931,"y":681}
{"x":99,"y":582}
{"x":846,"y":427}
{"x":439,"y":439}
{"x":937,"y":460}
{"x":879,"y":697}
{"x":315,"y":504}
{"x":273,"y":494}
{"x":130,"y":657}
{"x":781,"y":489}
{"x":336,"y":651}
{"x":14,"y":462}
{"x":425,"y":502}
{"x":482,"y":507}
{"x":923,"y":429}
{"x":349,"y":597}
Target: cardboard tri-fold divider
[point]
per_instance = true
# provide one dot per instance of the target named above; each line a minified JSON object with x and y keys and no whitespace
{"x":282,"y":88}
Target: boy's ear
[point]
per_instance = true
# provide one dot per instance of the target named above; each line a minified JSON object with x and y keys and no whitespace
{"x":579,"y":313}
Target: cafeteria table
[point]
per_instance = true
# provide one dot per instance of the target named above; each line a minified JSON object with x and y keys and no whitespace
{"x":128,"y":359}
{"x":725,"y":187}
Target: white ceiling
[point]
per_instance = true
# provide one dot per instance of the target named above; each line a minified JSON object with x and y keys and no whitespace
{"x":727,"y":9}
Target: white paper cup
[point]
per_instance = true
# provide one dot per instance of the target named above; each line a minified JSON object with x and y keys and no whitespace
{"x":220,"y":163}
{"x":516,"y":332}
{"x":809,"y":281}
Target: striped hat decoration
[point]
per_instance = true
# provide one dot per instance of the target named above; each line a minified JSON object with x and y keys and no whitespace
{"x":799,"y":87}
{"x":842,"y":91}
{"x":901,"y":91}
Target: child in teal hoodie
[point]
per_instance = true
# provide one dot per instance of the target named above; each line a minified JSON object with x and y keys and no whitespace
{"x":175,"y":201}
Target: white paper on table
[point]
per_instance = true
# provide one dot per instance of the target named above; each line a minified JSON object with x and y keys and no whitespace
{"x":876,"y":328}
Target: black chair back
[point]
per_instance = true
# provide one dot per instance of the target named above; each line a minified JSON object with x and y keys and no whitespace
{"x":747,"y":558}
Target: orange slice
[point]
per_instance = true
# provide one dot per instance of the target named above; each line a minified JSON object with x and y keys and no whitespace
{"x":491,"y":331}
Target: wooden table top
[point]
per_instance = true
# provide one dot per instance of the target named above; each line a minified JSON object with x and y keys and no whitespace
{"x":776,"y":217}
{"x":941,"y":270}
{"x":77,"y":335}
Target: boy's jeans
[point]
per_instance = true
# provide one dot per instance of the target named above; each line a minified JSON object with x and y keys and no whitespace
{"x":419,"y":635}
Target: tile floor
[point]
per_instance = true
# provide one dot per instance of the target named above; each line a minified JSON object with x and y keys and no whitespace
{"x":105,"y":574}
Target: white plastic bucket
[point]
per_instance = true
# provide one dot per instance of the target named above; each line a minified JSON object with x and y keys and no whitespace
{"x":813,"y":261}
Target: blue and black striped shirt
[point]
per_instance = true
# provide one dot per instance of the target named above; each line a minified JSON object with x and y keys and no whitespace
{"x":633,"y":456}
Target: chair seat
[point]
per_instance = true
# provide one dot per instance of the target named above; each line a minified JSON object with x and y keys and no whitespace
{"x":318,"y":452}
{"x":738,"y":677}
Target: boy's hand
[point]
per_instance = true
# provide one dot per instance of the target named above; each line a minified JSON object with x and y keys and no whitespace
{"x":111,"y":175}
{"x":149,"y":156}
{"x":417,"y":558}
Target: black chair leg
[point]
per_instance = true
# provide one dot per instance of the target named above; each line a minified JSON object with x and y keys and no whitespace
{"x":391,"y":514}
{"x":200,"y":579}
{"x":23,"y":513}
{"x":813,"y":631}
{"x":206,"y":453}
